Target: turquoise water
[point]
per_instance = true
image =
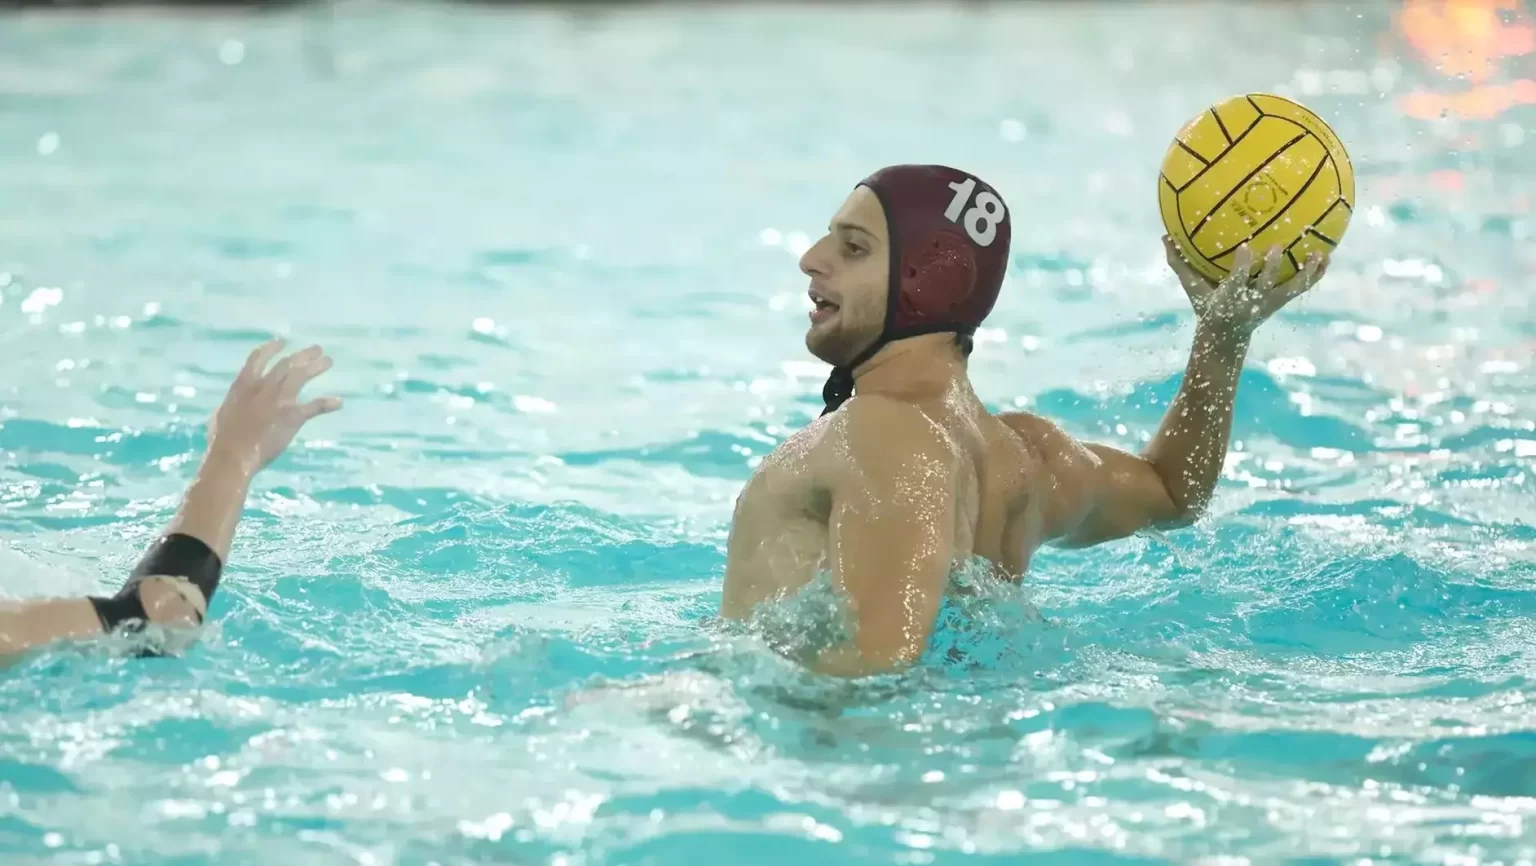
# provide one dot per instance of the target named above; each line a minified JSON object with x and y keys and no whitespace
{"x":469,"y":618}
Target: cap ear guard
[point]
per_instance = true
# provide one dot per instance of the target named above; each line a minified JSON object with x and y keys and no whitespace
{"x":935,"y":286}
{"x":949,"y":236}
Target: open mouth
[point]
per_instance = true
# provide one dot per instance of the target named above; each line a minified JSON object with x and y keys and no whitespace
{"x":823,"y":308}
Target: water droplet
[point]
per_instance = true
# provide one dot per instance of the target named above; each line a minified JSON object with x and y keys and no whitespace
{"x":232,"y":51}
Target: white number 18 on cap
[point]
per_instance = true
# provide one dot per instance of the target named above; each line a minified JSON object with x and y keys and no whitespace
{"x":982,"y":219}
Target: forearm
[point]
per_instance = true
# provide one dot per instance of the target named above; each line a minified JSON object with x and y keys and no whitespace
{"x":27,"y":625}
{"x":213,"y":503}
{"x":209,"y":512}
{"x":1191,"y":445}
{"x":177,"y":576}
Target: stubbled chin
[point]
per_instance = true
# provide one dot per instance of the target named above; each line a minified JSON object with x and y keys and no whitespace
{"x":825,"y":342}
{"x":818,"y":343}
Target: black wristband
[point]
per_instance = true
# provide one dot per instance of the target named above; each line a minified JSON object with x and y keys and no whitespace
{"x":174,"y":555}
{"x":178,"y":555}
{"x":126,"y":606}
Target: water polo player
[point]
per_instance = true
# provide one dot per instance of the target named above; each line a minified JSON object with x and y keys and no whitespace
{"x":906,"y":473}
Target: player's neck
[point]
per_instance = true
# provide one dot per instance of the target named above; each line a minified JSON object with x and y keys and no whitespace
{"x":913,"y":369}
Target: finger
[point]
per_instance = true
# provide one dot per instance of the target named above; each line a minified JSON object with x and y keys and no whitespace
{"x":1304,"y":281}
{"x":1188,"y":276}
{"x":282,"y":368}
{"x":1242,"y":268}
{"x":300,"y":375}
{"x":317,"y":407}
{"x":256,"y":362}
{"x":1176,"y":258}
{"x":1271,"y":273}
{"x":1295,"y":287}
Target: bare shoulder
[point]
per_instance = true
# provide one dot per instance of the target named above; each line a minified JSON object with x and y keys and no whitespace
{"x":869,"y":416}
{"x":1066,"y":462}
{"x":880,"y":431}
{"x":1044,"y":437}
{"x":1065,"y":468}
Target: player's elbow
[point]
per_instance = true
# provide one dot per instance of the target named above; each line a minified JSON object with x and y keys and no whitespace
{"x":1181,"y":515}
{"x":1181,"y":520}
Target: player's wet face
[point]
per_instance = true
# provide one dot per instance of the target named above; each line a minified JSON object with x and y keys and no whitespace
{"x":850,"y":271}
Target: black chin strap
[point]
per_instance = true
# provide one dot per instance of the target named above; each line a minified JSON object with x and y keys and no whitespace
{"x":838,"y":389}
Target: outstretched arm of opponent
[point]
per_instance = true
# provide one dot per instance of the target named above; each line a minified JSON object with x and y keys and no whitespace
{"x":1101,"y":493}
{"x":892,"y":533}
{"x":173,"y":582}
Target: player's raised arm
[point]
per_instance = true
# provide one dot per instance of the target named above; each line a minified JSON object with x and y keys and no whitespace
{"x":1101,"y":493}
{"x":177,"y":576}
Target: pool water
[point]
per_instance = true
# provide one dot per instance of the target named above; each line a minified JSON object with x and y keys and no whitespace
{"x":469,"y":618}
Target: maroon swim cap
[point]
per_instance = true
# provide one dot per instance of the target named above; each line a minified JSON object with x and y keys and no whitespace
{"x":949,"y":236}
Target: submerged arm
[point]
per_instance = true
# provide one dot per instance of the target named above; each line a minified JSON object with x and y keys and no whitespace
{"x":892,"y":534}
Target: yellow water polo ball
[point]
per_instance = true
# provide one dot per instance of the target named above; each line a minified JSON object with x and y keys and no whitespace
{"x":1256,"y":169}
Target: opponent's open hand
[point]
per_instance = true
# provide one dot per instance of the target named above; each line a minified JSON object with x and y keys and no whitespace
{"x":1239,"y":304}
{"x":262,"y":413}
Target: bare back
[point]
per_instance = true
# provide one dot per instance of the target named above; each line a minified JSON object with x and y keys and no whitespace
{"x":780,"y":534}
